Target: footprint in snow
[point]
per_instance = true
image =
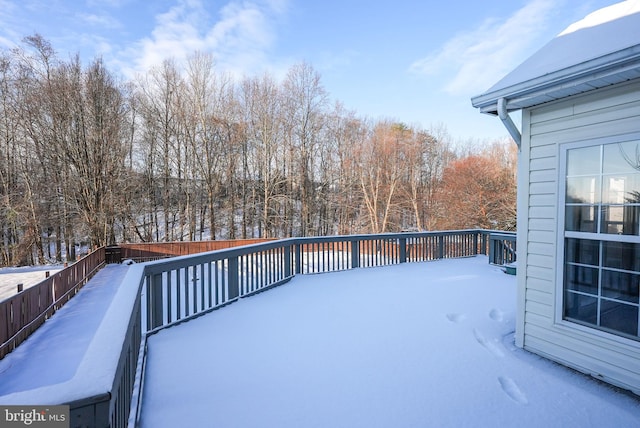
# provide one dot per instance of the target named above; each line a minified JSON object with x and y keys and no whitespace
{"x":496,"y":315}
{"x":488,"y":344}
{"x":512,"y":390}
{"x":456,"y":317}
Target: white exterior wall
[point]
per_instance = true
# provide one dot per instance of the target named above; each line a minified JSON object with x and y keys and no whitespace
{"x":604,"y":113}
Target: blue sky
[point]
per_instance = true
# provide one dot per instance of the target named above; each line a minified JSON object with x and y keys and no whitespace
{"x":418,"y":62}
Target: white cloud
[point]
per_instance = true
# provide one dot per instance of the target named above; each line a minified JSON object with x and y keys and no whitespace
{"x":479,"y":58}
{"x":8,"y":32}
{"x":239,"y":38}
{"x":105,"y":21}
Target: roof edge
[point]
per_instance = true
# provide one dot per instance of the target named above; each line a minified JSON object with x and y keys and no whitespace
{"x":597,"y":68}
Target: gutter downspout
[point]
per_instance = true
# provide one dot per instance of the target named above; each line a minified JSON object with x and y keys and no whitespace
{"x":507,"y":122}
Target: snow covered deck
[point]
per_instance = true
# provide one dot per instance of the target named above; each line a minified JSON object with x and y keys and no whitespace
{"x":415,"y":344}
{"x":420,"y":344}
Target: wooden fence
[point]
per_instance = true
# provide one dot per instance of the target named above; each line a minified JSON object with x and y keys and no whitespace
{"x":23,"y":313}
{"x":144,"y":252}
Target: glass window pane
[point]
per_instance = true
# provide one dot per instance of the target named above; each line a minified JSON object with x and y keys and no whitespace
{"x":632,"y":196}
{"x":620,"y":285}
{"x":621,"y":188}
{"x":581,"y":218}
{"x":583,"y":190}
{"x":619,"y":317}
{"x":582,"y":251}
{"x":581,"y":278}
{"x":621,"y":255}
{"x":621,"y":157}
{"x":602,"y":198}
{"x":583,"y":161}
{"x":581,"y":308}
{"x":620,"y":219}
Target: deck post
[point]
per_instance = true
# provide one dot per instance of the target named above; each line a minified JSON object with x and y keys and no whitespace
{"x":355,"y":253}
{"x":298,"y":260}
{"x":234,"y":289}
{"x":483,"y":250}
{"x":155,"y":297}
{"x":475,"y":244}
{"x":287,"y":261}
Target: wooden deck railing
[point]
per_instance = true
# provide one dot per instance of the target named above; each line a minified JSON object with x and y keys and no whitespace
{"x":23,"y":313}
{"x":144,"y":252}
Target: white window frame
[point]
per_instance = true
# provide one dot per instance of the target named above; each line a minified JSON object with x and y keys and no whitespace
{"x":562,"y":234}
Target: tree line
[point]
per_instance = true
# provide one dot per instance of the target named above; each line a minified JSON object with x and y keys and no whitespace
{"x":184,"y":152}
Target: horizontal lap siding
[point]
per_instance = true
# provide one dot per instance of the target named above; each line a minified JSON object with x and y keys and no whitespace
{"x":605,"y":113}
{"x":540,"y":297}
{"x":543,"y":224}
{"x":541,"y":248}
{"x":542,"y":189}
{"x":538,"y":284}
{"x":542,"y":274}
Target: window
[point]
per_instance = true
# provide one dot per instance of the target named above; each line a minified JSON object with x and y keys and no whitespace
{"x":601,"y":270}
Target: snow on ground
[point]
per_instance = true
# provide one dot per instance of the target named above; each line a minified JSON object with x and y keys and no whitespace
{"x":424,"y":344}
{"x":66,"y":358}
{"x":415,"y":345}
{"x":27,"y":276}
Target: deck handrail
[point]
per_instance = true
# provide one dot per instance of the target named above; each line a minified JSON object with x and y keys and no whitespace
{"x":223,"y":276}
{"x":23,"y":313}
{"x":502,"y":248}
{"x":182,"y":288}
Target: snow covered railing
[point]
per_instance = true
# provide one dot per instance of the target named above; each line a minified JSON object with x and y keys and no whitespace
{"x":23,"y":313}
{"x":182,"y":287}
{"x":178,"y":289}
{"x":502,"y":248}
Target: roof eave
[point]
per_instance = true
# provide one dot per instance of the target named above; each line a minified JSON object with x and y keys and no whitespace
{"x":603,"y":71}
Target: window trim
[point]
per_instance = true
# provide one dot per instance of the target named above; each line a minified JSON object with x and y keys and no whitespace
{"x":561,"y":234}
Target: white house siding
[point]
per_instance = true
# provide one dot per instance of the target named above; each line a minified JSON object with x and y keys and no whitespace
{"x":603,"y":113}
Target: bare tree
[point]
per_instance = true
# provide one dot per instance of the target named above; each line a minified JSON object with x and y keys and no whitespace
{"x":305,"y":105}
{"x":99,"y":159}
{"x":262,"y":104}
{"x":158,"y":98}
{"x":345,"y":132}
{"x":10,"y":187}
{"x":40,"y":125}
{"x":380,"y":173}
{"x":210,"y":132}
